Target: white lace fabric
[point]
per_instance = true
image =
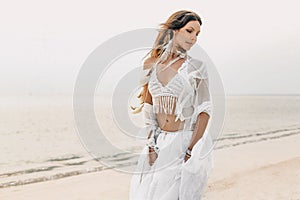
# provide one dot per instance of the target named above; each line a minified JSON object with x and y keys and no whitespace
{"x":185,"y":95}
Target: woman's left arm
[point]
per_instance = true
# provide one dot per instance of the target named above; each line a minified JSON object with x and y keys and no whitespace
{"x":200,"y":127}
{"x":202,"y":107}
{"x":198,"y":132}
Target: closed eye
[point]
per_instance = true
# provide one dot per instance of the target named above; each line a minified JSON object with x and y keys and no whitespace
{"x":190,"y":31}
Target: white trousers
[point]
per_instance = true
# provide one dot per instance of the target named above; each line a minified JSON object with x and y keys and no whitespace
{"x":170,"y":178}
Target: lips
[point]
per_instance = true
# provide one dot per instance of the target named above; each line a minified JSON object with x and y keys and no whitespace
{"x":189,"y":43}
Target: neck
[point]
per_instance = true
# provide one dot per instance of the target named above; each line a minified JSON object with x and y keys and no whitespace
{"x":176,"y":51}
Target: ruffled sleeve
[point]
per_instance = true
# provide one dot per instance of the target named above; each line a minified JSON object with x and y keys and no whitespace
{"x":149,"y":117}
{"x":200,"y":83}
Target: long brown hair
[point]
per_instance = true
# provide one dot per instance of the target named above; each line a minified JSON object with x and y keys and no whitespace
{"x":175,"y":22}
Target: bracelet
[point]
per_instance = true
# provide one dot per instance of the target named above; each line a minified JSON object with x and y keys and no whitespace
{"x":188,"y":155}
{"x":188,"y":152}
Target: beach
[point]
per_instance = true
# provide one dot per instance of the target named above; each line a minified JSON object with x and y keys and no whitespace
{"x":257,"y":156}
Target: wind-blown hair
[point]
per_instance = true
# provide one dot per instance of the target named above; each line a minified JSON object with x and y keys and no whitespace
{"x":166,"y":32}
{"x":175,"y":22}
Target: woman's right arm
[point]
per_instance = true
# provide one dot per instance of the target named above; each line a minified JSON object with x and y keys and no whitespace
{"x":149,"y":115}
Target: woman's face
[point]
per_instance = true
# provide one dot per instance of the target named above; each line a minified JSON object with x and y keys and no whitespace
{"x":186,"y":37}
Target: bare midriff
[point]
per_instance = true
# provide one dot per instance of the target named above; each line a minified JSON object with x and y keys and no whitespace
{"x":167,"y":122}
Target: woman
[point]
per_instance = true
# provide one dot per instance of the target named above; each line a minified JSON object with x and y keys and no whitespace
{"x":175,"y":101}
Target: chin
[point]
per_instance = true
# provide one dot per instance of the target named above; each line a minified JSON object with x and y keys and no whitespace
{"x":187,"y":48}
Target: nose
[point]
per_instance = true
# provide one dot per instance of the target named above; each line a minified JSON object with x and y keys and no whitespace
{"x":194,"y":38}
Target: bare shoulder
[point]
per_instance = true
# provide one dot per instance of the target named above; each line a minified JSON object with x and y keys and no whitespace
{"x":148,"y":63}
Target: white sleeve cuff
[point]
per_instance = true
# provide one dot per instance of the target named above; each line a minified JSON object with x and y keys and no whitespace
{"x":203,"y":107}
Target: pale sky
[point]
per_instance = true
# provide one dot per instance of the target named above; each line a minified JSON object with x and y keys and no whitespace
{"x":255,"y":45}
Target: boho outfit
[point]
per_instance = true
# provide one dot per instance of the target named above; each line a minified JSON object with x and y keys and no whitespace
{"x":186,"y":96}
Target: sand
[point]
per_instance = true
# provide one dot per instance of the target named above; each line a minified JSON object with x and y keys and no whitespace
{"x":257,"y":156}
{"x":262,"y":170}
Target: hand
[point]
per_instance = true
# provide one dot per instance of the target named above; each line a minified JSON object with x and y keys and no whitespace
{"x":186,"y":157}
{"x":152,"y":156}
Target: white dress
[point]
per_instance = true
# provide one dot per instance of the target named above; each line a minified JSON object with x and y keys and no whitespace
{"x":170,"y":178}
